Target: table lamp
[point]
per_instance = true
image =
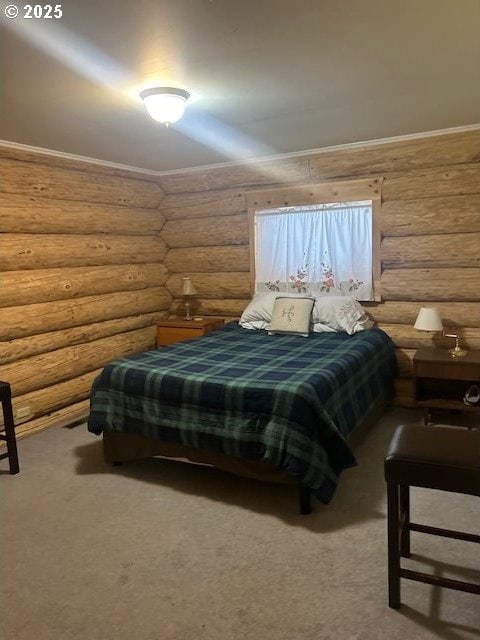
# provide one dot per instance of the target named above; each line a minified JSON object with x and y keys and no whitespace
{"x":428,"y":319}
{"x":457,"y":350}
{"x":188,"y":290}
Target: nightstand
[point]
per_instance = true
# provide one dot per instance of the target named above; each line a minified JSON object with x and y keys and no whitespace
{"x":440,"y":380}
{"x":178,"y":329}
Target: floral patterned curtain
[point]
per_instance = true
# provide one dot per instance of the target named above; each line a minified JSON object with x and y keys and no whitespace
{"x":319,"y":250}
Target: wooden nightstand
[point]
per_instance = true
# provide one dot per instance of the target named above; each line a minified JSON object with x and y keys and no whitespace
{"x":178,"y":329}
{"x":440,"y":381}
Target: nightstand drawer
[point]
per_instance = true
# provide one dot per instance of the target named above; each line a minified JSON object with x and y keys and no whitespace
{"x":448,"y":371}
{"x":169,"y":335}
{"x":178,"y":329}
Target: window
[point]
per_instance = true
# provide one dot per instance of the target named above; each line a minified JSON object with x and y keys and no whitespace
{"x":317,"y":249}
{"x":314,"y":245}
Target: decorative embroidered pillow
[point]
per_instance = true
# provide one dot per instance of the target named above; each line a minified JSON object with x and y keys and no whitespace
{"x":341,"y":313}
{"x":291,"y":315}
{"x":258,"y":313}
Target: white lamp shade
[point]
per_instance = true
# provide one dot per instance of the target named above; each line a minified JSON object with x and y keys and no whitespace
{"x":428,"y":319}
{"x":188,"y":288}
{"x":165,"y":104}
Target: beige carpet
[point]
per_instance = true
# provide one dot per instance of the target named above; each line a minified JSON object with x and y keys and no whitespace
{"x":158,"y":550}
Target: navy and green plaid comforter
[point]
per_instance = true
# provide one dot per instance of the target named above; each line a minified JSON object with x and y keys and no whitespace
{"x":286,"y":400}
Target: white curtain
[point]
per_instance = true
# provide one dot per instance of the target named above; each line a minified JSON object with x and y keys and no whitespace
{"x":318,"y":250}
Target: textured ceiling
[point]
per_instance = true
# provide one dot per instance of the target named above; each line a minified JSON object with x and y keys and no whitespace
{"x":268,"y":76}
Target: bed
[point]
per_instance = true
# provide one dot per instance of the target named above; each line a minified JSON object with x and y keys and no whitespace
{"x":279,"y":407}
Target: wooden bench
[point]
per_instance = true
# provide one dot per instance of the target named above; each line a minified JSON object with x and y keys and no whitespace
{"x":434,"y":457}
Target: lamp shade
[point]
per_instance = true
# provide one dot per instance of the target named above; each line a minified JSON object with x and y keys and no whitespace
{"x":165,"y":104}
{"x":428,"y":319}
{"x":188,"y":288}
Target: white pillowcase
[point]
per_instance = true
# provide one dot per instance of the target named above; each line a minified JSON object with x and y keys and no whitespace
{"x":340,"y":313}
{"x":330,"y":313}
{"x":258,"y":313}
{"x":254,"y":324}
{"x":319,"y":327}
{"x":291,"y":315}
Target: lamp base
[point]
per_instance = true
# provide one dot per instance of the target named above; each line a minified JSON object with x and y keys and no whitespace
{"x":456,"y":352}
{"x":187,"y":310}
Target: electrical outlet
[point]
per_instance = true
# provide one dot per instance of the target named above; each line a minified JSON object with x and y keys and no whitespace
{"x":23,"y":412}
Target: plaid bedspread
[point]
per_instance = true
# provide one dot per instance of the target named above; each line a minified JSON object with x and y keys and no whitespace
{"x":282,"y":399}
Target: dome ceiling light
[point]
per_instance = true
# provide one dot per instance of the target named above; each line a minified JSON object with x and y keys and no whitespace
{"x":165,"y":104}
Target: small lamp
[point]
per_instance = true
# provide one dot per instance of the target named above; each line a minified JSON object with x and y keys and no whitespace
{"x":428,"y":319}
{"x":188,"y":290}
{"x":456,"y":351}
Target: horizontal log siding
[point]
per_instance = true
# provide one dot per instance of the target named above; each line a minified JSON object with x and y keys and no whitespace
{"x":39,"y":157}
{"x":452,"y":313}
{"x":31,"y":319}
{"x":56,"y":366}
{"x":432,"y":285}
{"x":12,"y":350}
{"x":220,"y":259}
{"x":35,"y":179}
{"x":227,"y":308}
{"x":20,"y":251}
{"x":227,"y":285}
{"x":397,"y":157}
{"x":241,"y":175}
{"x":49,"y":399}
{"x":431,"y":216}
{"x":45,"y":285}
{"x":463,"y":249}
{"x":205,"y":232}
{"x":430,"y":224}
{"x":204,"y":204}
{"x":83,"y":279}
{"x":23,"y":214}
{"x":67,"y":416}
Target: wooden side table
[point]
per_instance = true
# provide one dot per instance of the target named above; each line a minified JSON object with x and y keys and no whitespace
{"x":178,"y":329}
{"x":440,"y":380}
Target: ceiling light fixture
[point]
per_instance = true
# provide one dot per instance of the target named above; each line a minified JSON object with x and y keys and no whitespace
{"x":165,"y":104}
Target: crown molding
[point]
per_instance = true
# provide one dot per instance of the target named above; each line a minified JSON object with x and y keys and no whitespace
{"x":8,"y":144}
{"x":338,"y":147}
{"x":220,"y":165}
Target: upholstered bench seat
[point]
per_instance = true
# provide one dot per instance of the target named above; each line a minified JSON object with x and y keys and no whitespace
{"x":435,"y":457}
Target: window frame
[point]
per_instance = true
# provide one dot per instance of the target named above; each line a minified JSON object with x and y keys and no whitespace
{"x":320,"y":193}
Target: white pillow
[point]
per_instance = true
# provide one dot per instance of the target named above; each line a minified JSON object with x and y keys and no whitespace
{"x":341,"y":313}
{"x":258,"y":310}
{"x":258,"y":313}
{"x":291,"y":315}
{"x":254,"y":324}
{"x":319,"y":327}
{"x":330,"y":313}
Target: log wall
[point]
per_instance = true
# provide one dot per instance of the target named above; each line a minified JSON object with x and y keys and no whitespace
{"x":82,"y":279}
{"x":92,"y":256}
{"x":430,"y":224}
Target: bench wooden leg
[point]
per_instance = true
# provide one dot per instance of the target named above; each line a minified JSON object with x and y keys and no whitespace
{"x":405,"y":521}
{"x":10,"y":433}
{"x":393,"y":545}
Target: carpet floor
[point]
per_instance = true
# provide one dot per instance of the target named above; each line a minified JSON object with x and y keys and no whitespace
{"x":161,"y":550}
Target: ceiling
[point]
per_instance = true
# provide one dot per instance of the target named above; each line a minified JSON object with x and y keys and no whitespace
{"x":268,"y":76}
